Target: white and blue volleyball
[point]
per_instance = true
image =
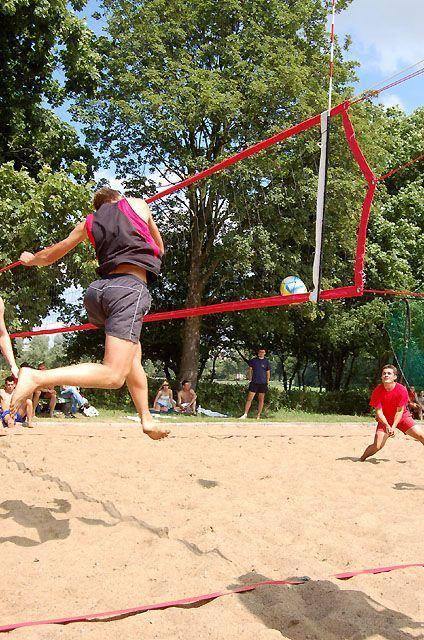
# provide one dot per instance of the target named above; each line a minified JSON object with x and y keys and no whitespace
{"x":292,"y":285}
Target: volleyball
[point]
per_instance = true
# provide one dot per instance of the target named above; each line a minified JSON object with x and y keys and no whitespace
{"x":292,"y":285}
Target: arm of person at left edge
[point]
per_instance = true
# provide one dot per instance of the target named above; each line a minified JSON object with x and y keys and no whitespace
{"x":54,"y":253}
{"x":6,"y":344}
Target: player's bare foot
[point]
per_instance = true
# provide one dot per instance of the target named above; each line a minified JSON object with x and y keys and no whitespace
{"x":151,"y":429}
{"x":27,"y":383}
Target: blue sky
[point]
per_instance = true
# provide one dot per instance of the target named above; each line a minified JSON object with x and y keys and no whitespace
{"x":387,"y":35}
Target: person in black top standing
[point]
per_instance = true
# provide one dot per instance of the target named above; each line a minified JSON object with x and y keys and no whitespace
{"x":259,"y":375}
{"x":129,"y":249}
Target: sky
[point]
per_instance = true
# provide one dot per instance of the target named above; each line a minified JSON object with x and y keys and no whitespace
{"x":387,"y":36}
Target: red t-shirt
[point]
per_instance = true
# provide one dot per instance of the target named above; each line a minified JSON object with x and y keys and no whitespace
{"x":389,"y":401}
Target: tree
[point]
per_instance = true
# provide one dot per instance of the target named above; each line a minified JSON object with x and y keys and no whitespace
{"x":36,"y":212}
{"x":187,"y":83}
{"x":47,"y":56}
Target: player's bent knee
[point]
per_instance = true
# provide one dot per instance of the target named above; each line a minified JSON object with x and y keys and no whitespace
{"x":116,"y":381}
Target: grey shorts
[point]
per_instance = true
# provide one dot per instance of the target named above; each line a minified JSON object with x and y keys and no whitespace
{"x":118,"y":302}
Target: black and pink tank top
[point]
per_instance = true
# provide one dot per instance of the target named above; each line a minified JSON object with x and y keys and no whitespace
{"x":119,"y":235}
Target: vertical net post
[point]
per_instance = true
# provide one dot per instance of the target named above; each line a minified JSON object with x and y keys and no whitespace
{"x":320,"y":210}
{"x":323,"y":171}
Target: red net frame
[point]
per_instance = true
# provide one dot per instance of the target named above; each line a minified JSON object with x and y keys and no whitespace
{"x":354,"y":290}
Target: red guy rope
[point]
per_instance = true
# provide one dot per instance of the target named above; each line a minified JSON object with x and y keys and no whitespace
{"x":10,"y":266}
{"x":92,"y":617}
{"x":400,"y":167}
{"x":369,"y":93}
{"x":393,"y":292}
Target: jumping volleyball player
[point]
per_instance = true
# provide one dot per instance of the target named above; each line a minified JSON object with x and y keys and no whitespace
{"x":390,"y":401}
{"x":129,"y":249}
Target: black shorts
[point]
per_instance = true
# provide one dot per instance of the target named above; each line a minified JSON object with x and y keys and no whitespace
{"x":118,"y":302}
{"x":257,"y":387}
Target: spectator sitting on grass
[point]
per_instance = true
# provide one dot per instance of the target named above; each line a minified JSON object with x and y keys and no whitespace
{"x":421,"y":399}
{"x":164,"y":400}
{"x":186,"y":399}
{"x":414,"y":405}
{"x":48,"y":393}
{"x":5,"y":396}
{"x":77,"y":401}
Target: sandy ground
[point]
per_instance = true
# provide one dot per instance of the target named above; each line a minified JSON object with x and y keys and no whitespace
{"x":96,"y":517}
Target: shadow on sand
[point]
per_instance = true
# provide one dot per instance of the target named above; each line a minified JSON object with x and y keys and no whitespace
{"x":40,"y":518}
{"x":406,"y":486}
{"x":321,"y":611}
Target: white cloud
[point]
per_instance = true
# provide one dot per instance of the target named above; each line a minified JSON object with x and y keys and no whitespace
{"x":392,"y":100}
{"x":105,"y":174}
{"x":386,"y":34}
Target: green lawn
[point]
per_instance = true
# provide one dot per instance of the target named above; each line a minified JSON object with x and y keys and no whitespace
{"x":284,"y":415}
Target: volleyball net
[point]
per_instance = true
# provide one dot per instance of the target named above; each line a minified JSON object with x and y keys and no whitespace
{"x":240,"y":207}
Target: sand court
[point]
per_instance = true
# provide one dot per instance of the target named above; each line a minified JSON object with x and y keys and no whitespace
{"x":96,"y":517}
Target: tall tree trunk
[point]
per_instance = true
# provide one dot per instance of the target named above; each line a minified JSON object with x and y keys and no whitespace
{"x":189,"y":364}
{"x":167,"y":371}
{"x":349,"y":374}
{"x":213,"y":370}
{"x":190,"y":350}
{"x":303,"y":375}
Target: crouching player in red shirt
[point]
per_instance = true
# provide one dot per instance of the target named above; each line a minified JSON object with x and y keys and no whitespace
{"x":390,"y":401}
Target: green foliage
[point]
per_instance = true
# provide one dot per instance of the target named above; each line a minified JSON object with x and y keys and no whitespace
{"x":230,"y":399}
{"x":34,"y":211}
{"x":47,"y":55}
{"x":406,"y":330}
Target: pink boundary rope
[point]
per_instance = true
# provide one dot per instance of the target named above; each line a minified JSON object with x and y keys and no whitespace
{"x":91,"y":617}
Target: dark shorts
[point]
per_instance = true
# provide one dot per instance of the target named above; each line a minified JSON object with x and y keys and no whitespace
{"x":18,"y":417}
{"x":257,"y":387}
{"x":118,"y":303}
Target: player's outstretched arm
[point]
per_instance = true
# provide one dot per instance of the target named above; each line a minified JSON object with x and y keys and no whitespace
{"x":5,"y":343}
{"x":383,"y":420}
{"x":398,"y":416}
{"x":54,"y":253}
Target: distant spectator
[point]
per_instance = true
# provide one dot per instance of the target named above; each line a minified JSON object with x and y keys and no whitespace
{"x":5,"y":396}
{"x":164,"y":400}
{"x":47,"y":393}
{"x":186,"y":399}
{"x":77,"y":400}
{"x":421,"y":399}
{"x":259,"y":374}
{"x":414,"y":404}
